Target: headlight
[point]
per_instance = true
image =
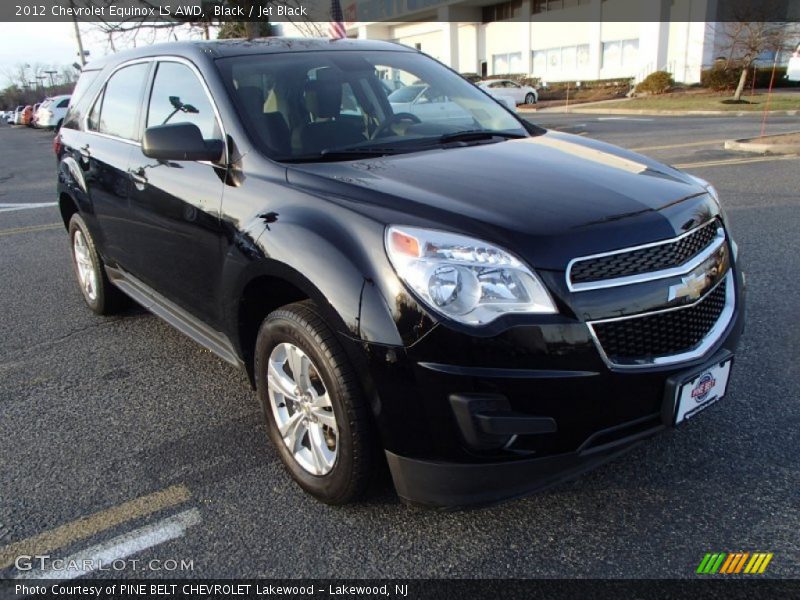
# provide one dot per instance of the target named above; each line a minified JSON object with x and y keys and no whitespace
{"x":462,"y":278}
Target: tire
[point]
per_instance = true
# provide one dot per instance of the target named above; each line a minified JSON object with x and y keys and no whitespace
{"x":299,"y":327}
{"x":100,"y":294}
{"x":530,"y":98}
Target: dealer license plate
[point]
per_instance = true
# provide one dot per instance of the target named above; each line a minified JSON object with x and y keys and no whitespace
{"x":702,"y":390}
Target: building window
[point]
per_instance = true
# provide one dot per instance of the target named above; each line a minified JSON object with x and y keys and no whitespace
{"x":620,"y":54}
{"x":505,"y":11}
{"x":503,"y":64}
{"x":582,"y":53}
{"x":557,"y":61}
{"x":541,"y":6}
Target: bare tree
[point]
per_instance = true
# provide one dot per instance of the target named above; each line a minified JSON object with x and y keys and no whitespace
{"x":310,"y":28}
{"x":749,"y":32}
{"x":136,"y":31}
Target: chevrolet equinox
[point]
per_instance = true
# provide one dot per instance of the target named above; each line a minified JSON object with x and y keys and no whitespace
{"x":491,"y":306}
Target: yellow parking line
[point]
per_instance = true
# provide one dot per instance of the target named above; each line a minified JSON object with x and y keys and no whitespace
{"x":734,"y":161}
{"x":85,"y":527}
{"x":30,"y":229}
{"x":686,"y":145}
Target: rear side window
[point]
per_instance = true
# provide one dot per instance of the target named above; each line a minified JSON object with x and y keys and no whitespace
{"x":84,"y":81}
{"x":64,"y":103}
{"x":116,"y":110}
{"x":79,"y":99}
{"x":179,"y":97}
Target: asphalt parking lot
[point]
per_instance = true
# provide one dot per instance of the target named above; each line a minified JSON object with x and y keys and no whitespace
{"x":121,"y":435}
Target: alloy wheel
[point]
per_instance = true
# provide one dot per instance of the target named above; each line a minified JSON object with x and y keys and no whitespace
{"x":87,"y":274}
{"x":302,"y":409}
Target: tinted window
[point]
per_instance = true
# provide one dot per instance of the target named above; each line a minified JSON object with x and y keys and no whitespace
{"x":179,"y":97}
{"x":84,"y":81}
{"x":302,"y":103}
{"x":64,"y":103}
{"x":121,"y":101}
{"x":93,"y":120}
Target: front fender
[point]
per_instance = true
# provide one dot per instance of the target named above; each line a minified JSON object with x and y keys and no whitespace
{"x":337,"y":260}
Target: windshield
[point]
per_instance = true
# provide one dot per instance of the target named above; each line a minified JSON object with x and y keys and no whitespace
{"x":303,"y":105}
{"x":406,"y":94}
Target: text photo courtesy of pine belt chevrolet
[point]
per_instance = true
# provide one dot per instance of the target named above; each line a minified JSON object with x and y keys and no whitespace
{"x":487,"y":306}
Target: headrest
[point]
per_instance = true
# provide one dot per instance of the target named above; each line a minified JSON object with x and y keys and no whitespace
{"x":323,"y":98}
{"x":253,"y":99}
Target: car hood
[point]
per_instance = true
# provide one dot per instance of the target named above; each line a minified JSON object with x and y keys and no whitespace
{"x":549,"y":197}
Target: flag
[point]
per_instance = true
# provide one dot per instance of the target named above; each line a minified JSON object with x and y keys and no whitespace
{"x":336,"y":30}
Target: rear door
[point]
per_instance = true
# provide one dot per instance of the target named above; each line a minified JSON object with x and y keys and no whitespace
{"x":111,"y":134}
{"x":175,"y":206}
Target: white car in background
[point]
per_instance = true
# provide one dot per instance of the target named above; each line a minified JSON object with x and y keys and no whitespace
{"x":428,"y":105}
{"x":521,"y":94}
{"x":52,"y":112}
{"x":793,"y":68}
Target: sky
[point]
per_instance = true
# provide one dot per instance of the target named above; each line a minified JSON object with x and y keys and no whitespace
{"x":47,"y":44}
{"x":51,"y":44}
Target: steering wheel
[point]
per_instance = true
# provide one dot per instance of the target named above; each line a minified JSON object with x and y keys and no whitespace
{"x":401,"y":116}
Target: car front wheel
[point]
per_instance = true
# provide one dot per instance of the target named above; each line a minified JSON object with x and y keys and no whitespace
{"x":530,"y":99}
{"x":315,"y":411}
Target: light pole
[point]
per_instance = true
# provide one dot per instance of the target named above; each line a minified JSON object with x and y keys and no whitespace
{"x":81,"y":54}
{"x":51,"y":74}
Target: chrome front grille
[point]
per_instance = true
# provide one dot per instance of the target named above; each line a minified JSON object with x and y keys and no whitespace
{"x":674,"y":333}
{"x":648,"y":337}
{"x":649,"y":261}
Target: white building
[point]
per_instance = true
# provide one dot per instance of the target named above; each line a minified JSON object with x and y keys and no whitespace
{"x":555,"y":40}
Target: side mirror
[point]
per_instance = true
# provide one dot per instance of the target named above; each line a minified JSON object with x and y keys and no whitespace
{"x":180,"y":141}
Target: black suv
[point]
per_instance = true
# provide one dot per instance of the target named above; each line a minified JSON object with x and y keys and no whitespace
{"x":415,"y":273}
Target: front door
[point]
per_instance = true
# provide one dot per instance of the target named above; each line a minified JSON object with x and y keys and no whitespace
{"x":175,"y":206}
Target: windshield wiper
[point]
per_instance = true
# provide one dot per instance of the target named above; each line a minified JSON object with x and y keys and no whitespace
{"x":477,"y":135}
{"x":334,"y":154}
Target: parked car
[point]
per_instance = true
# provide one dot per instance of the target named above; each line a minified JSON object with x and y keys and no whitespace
{"x":429,"y":104}
{"x":34,"y":110}
{"x":37,"y":111}
{"x":17,"y":116}
{"x":491,"y":307}
{"x":793,"y":68}
{"x":24,"y":118}
{"x":51,"y":114}
{"x":522,"y":94}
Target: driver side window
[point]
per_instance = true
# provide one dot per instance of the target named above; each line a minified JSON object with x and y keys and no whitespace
{"x":179,"y":97}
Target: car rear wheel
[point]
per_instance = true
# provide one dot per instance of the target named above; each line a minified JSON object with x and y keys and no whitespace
{"x":530,"y":98}
{"x":315,"y":411}
{"x":98,"y":292}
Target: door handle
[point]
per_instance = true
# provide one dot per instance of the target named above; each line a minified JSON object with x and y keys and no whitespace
{"x":138,"y":176}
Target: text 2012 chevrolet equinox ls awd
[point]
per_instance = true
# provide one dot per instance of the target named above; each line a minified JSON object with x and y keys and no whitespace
{"x":491,"y":305}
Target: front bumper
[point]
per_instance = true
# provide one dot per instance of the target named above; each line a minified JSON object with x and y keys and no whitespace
{"x":454,"y":485}
{"x":571,"y":409}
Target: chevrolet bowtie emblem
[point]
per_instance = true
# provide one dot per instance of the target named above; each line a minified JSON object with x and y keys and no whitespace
{"x":691,"y":287}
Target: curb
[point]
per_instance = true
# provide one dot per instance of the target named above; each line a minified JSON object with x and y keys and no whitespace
{"x":673,"y":113}
{"x":748,"y":145}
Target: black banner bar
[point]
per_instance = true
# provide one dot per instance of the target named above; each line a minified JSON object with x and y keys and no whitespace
{"x":722,"y":587}
{"x":402,"y":10}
